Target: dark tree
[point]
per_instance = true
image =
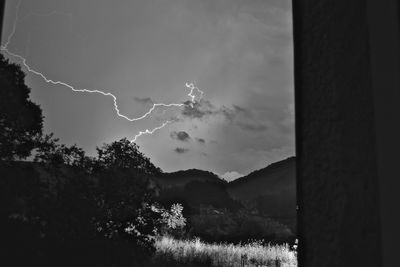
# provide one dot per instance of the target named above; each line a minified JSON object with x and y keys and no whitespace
{"x":21,"y":120}
{"x":125,"y":193}
{"x":123,"y":154}
{"x":125,"y":207}
{"x":51,"y":152}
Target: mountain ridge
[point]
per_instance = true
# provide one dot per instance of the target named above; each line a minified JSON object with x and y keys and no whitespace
{"x":269,"y":191}
{"x":271,"y":167}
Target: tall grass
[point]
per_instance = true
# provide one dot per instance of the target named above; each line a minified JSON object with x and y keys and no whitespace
{"x":187,"y":252}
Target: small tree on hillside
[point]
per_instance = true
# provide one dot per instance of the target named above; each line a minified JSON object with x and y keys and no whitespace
{"x":173,"y":222}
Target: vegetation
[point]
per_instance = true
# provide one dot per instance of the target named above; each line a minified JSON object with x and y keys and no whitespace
{"x":54,"y":209}
{"x":172,"y":252}
{"x":20,"y":119}
{"x":237,"y":226}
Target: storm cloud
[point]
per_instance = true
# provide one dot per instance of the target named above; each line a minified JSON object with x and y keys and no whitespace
{"x":181,"y":150}
{"x":200,"y":140}
{"x":199,"y":109}
{"x":181,"y":136}
{"x":205,"y":108}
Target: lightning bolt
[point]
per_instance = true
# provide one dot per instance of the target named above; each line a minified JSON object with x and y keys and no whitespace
{"x":147,"y":131}
{"x":190,"y":86}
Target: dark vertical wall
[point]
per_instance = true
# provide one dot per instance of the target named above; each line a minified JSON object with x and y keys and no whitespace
{"x":337,"y":175}
{"x":384,"y":31}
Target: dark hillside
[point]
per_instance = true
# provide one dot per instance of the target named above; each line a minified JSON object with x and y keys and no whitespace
{"x":194,"y":188}
{"x":181,"y":178}
{"x":270,"y":191}
{"x":276,"y":177}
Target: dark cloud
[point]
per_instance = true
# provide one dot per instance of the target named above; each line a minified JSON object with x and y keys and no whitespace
{"x":144,"y":100}
{"x":204,"y":108}
{"x":181,"y":136}
{"x":198,"y":110}
{"x":181,"y":150}
{"x":252,"y":127}
{"x":200,"y":140}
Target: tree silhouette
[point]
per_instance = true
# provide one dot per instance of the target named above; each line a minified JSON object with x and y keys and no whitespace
{"x":49,"y":151}
{"x":20,"y":119}
{"x":123,"y":154}
{"x":125,"y":193}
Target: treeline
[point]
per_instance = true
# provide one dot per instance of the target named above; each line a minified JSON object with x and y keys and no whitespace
{"x":59,"y":207}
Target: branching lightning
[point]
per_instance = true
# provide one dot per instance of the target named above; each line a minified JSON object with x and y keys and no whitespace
{"x":147,"y":131}
{"x":190,"y":86}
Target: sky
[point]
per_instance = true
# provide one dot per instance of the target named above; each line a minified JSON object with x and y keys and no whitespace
{"x":239,"y":53}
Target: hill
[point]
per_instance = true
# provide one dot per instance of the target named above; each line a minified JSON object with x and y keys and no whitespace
{"x":270,"y":191}
{"x":181,"y":178}
{"x":195,"y":188}
{"x":271,"y":180}
{"x":261,"y":204}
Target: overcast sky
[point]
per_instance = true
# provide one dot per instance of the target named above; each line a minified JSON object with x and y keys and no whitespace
{"x":238,"y":52}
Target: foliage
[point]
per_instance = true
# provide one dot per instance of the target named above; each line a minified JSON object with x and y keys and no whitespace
{"x":124,"y":154}
{"x":56,"y":201}
{"x":21,"y":120}
{"x":174,"y":218}
{"x":172,"y":221}
{"x":124,"y":203}
{"x":51,"y":152}
{"x":185,"y":252}
{"x":68,"y":196}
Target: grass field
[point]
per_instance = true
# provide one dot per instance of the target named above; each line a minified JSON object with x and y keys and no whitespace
{"x":172,"y":252}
